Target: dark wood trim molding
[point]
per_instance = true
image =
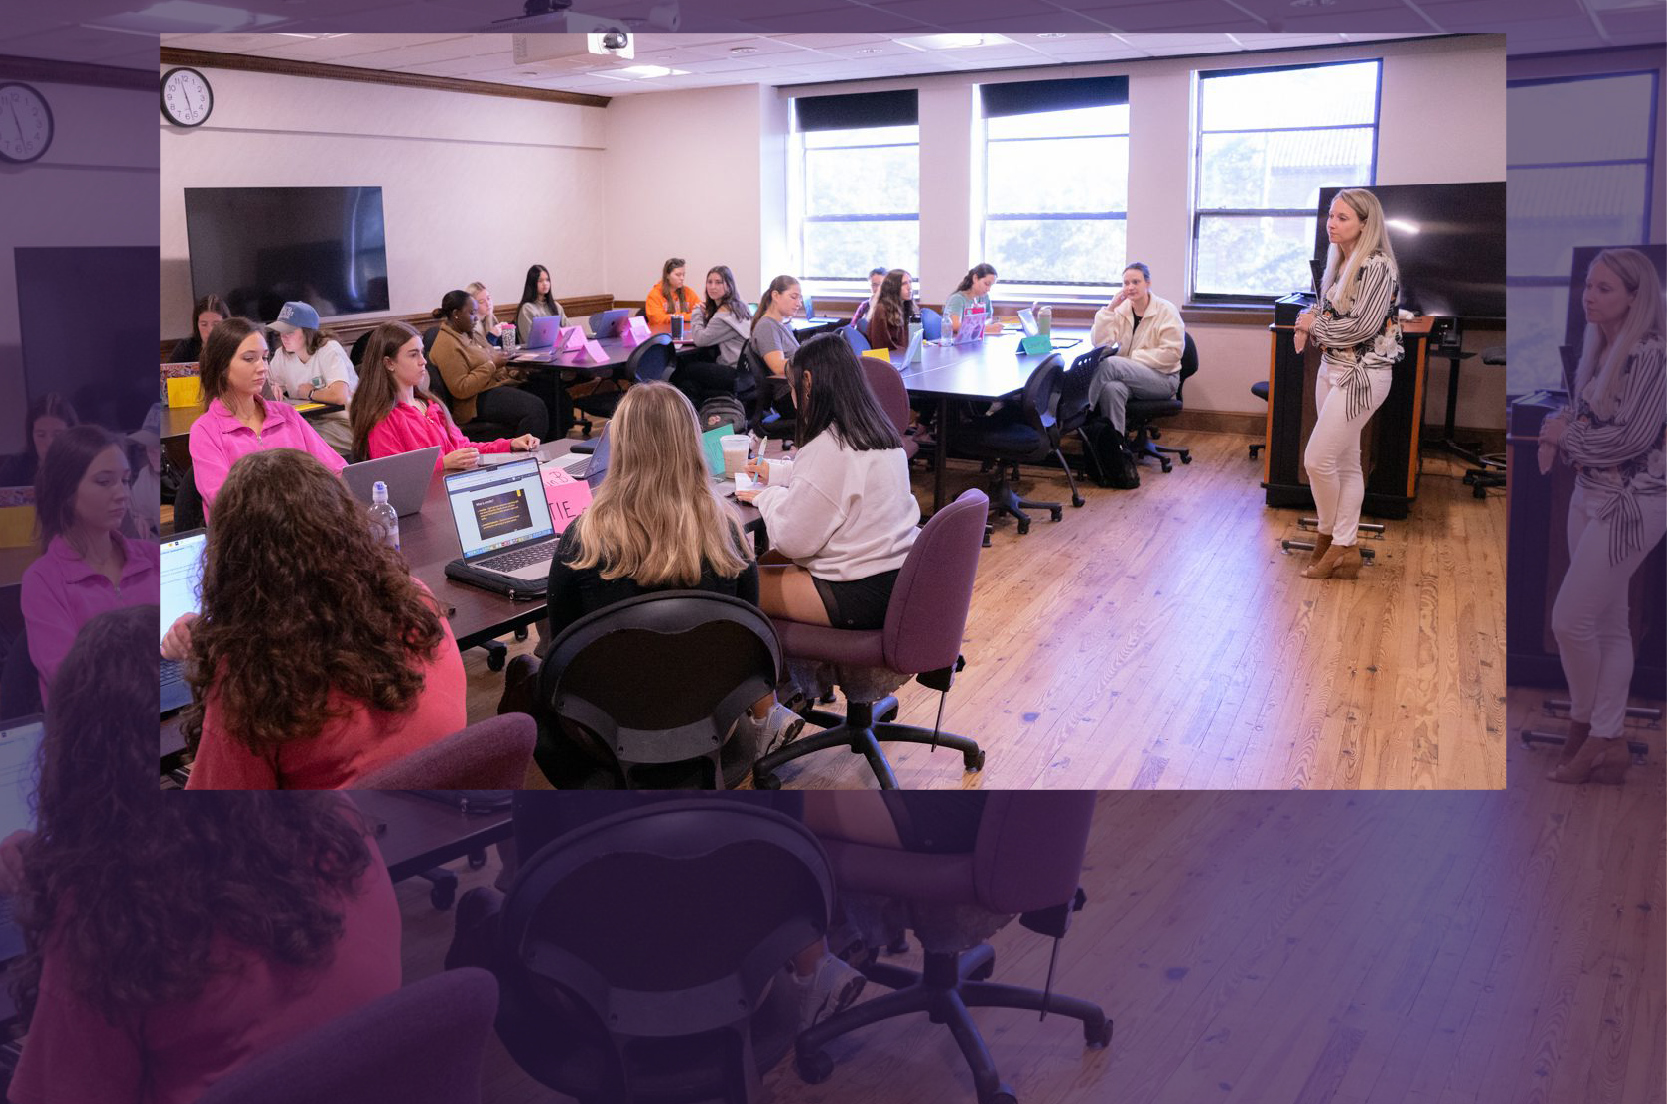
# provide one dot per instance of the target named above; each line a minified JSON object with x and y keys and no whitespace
{"x":48,"y":71}
{"x":284,"y":67}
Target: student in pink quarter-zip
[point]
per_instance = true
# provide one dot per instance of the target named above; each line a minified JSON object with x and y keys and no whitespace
{"x":87,"y":566}
{"x":239,"y":419}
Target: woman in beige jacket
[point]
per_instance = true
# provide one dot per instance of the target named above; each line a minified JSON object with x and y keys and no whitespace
{"x":1149,"y":335}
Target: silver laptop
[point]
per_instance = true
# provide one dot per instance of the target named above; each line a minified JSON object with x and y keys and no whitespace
{"x":406,"y":474}
{"x":20,"y":742}
{"x":182,"y":588}
{"x":503,"y":520}
{"x":544,"y":329}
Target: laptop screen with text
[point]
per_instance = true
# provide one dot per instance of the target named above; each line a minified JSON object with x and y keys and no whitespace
{"x":182,"y":576}
{"x":499,"y":507}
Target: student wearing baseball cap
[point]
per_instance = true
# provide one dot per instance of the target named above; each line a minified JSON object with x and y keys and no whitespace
{"x":311,"y":364}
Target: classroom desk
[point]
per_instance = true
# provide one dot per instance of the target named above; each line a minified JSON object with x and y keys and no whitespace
{"x":416,"y":834}
{"x":984,"y":370}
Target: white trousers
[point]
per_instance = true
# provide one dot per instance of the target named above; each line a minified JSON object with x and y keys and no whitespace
{"x":1589,"y":617}
{"x":1332,"y":458}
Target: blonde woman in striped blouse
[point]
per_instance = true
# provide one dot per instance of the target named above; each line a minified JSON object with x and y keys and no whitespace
{"x":1612,"y":432}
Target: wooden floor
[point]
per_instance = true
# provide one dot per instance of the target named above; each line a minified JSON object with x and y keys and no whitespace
{"x":1159,"y":639}
{"x":1498,"y":948}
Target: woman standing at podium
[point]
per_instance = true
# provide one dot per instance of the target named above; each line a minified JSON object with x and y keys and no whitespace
{"x":1359,"y":334}
{"x":1612,"y":432}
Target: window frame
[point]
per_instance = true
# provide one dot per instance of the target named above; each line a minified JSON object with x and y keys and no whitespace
{"x":1225,"y":299}
{"x":1072,"y":288}
{"x":799,"y":184}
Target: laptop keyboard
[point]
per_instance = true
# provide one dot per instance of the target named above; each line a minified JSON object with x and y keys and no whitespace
{"x":516,"y":559}
{"x":575,"y":463}
{"x":172,"y":672}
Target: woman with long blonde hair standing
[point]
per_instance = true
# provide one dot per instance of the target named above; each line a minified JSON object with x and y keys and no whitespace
{"x":1359,"y":334}
{"x":1612,"y":431}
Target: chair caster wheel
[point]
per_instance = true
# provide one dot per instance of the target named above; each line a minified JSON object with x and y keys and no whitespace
{"x":1077,"y":501}
{"x":495,"y":661}
{"x":1186,"y":457}
{"x":765,"y":782}
{"x":1166,"y":466}
{"x":1003,"y":1095}
{"x":1024,"y":527}
{"x":477,"y":859}
{"x":1097,"y":1036}
{"x":443,"y":895}
{"x":1056,"y":513}
{"x":898,"y":946}
{"x":973,"y":760}
{"x":888,"y":715}
{"x":1479,"y":491}
{"x":984,"y":972}
{"x":521,"y":633}
{"x":814,"y":1068}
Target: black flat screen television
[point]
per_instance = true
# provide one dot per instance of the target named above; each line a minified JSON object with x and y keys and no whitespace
{"x":1449,"y":242}
{"x":259,"y":248}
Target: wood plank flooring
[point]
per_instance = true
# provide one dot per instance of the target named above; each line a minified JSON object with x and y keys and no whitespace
{"x":1158,"y":639}
{"x":1310,"y":948}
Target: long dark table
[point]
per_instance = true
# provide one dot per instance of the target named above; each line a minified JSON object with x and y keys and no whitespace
{"x":985,"y":371}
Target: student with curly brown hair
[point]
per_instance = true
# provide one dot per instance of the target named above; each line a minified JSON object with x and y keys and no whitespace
{"x":168,"y":942}
{"x":317,"y":657}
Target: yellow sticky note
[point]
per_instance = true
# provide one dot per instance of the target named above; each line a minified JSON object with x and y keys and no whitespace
{"x":882,"y":354}
{"x":185,"y":391}
{"x":17,"y":526}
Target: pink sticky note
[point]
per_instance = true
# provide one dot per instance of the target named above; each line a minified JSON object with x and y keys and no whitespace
{"x":570,"y":337}
{"x":594,"y":351}
{"x":567,"y":496}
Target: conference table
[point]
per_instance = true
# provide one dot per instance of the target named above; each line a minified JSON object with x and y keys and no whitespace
{"x":985,"y":370}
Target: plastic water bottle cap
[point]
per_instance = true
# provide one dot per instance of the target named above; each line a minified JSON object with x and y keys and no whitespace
{"x":379,"y":491}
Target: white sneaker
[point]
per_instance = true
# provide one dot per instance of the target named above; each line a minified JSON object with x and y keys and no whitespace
{"x":830,"y":988}
{"x":780,"y":727}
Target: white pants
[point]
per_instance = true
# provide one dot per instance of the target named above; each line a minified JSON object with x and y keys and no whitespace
{"x":1117,"y":379}
{"x":1589,"y":617}
{"x":1332,"y":458}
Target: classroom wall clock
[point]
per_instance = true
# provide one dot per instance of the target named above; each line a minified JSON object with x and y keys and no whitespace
{"x":187,"y":98}
{"x":25,"y":123}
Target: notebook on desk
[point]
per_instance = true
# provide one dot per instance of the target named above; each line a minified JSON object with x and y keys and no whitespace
{"x":182,"y":582}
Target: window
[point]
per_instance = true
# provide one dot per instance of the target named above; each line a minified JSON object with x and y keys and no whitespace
{"x":1056,"y":181}
{"x":857,"y":184}
{"x":1267,"y":141}
{"x":1569,"y":185}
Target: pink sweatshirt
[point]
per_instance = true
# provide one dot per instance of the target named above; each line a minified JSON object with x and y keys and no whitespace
{"x":219,"y":440}
{"x":61,"y":593}
{"x":407,"y":429}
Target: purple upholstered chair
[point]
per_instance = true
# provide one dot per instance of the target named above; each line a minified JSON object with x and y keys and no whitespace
{"x":418,"y":1045}
{"x":493,"y":754}
{"x":921,"y":637}
{"x":888,"y":387}
{"x":1026,"y":861}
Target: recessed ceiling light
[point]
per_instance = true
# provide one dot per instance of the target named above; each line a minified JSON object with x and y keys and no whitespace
{"x":954,"y":41}
{"x":743,"y":51}
{"x":1050,"y":34}
{"x":1312,"y":3}
{"x":868,"y":50}
{"x":643,"y":72}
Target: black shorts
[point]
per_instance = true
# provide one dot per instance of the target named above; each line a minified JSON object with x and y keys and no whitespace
{"x":858,"y":603}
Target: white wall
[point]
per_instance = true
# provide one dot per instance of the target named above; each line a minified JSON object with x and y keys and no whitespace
{"x":95,"y":186}
{"x":685,"y":178}
{"x":473,"y":187}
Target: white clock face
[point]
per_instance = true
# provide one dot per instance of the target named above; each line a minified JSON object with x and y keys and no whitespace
{"x":186,"y":97}
{"x":25,"y":123}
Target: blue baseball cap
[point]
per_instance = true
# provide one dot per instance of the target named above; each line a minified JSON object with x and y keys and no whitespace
{"x":295,"y":316}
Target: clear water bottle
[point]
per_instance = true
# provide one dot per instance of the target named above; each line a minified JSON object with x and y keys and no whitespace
{"x":384,"y":522}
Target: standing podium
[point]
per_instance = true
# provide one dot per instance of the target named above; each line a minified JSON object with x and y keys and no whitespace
{"x":1389,"y":445}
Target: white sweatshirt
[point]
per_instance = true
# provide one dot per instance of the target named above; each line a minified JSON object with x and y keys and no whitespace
{"x":841,"y":514}
{"x":1158,"y":342}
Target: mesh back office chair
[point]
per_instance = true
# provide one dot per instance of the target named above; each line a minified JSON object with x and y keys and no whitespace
{"x":1027,"y":435}
{"x":925,"y":620}
{"x":1026,"y":860}
{"x":422,"y":1044}
{"x":1143,"y":412}
{"x":650,"y":688}
{"x":635,"y":952}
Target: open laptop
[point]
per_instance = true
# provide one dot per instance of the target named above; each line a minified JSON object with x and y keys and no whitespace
{"x":504,"y":526}
{"x":20,"y":742}
{"x":544,"y":330}
{"x":182,"y":585}
{"x":406,"y":475}
{"x":1027,"y":319}
{"x":609,"y":322}
{"x":590,"y":465}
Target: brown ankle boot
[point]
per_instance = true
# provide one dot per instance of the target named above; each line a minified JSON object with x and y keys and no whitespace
{"x":1578,"y":731}
{"x":1341,"y":561}
{"x":1598,"y":760}
{"x":1321,"y":543}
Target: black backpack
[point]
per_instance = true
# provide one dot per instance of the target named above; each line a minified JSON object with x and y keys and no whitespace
{"x":722,"y":409}
{"x":1110,"y":463}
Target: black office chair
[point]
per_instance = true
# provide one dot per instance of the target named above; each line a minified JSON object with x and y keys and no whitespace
{"x":1141,"y":413}
{"x":358,"y":354}
{"x":1490,"y":472}
{"x":1027,"y":435}
{"x":1074,"y":411}
{"x":20,"y":684}
{"x":1260,"y":390}
{"x":477,"y":430}
{"x":646,"y":693}
{"x":767,"y":399}
{"x":654,"y":359}
{"x":188,"y":503}
{"x":635,"y":954}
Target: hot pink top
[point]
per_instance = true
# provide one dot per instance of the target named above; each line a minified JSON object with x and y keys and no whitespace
{"x":74,"y":1056}
{"x":218,"y":440}
{"x":61,"y":593}
{"x":356,"y":741}
{"x":407,"y":429}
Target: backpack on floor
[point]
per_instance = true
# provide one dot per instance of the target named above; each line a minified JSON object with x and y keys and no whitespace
{"x":1110,"y":463}
{"x":722,"y":409}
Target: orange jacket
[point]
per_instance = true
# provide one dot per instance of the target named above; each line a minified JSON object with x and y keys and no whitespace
{"x":658,"y":311}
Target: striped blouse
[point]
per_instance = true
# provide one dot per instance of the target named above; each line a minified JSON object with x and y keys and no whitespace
{"x":1621,"y":456}
{"x":1365,"y":336}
